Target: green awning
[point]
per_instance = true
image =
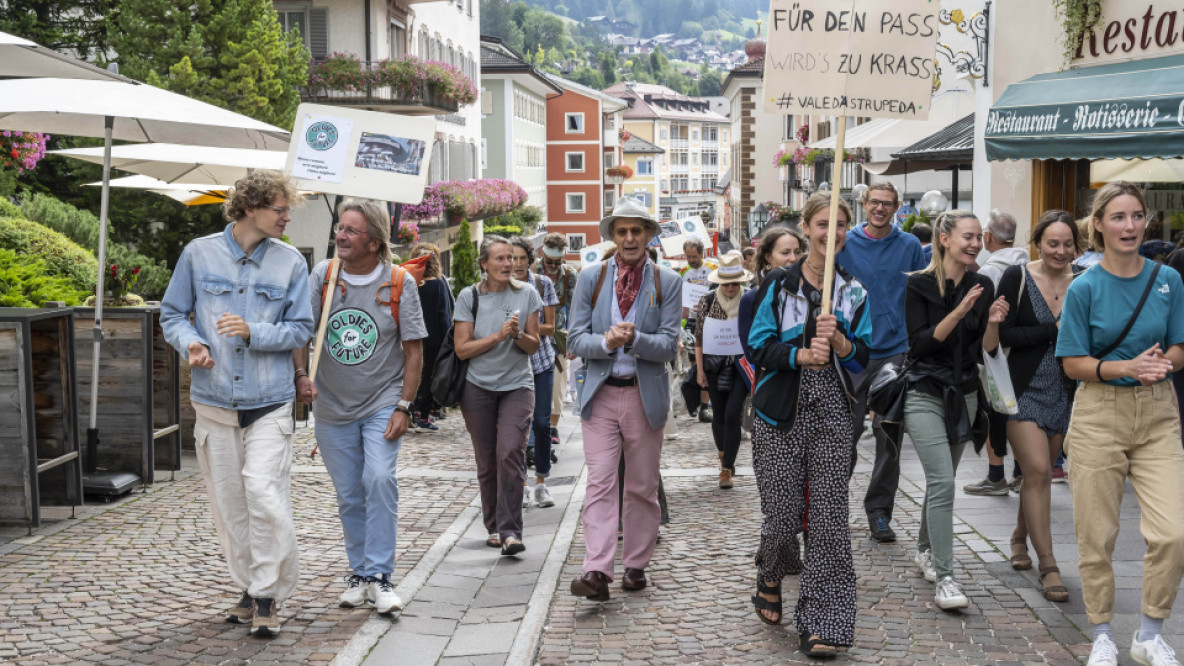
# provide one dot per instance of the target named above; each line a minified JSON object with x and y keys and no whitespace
{"x":1127,"y":110}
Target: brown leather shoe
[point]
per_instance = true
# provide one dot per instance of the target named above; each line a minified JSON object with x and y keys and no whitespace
{"x":725,"y":479}
{"x":592,"y":585}
{"x":633,"y":580}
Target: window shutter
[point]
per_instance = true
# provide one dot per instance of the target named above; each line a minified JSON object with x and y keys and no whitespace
{"x":318,"y":32}
{"x":457,"y":168}
{"x":434,"y":174}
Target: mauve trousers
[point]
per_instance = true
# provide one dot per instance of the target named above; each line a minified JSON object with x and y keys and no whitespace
{"x":616,"y":425}
{"x":499,"y":424}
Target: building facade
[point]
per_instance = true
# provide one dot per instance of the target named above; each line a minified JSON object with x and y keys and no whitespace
{"x":642,"y":156}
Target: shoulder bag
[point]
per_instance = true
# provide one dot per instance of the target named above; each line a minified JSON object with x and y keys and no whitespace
{"x":451,"y":373}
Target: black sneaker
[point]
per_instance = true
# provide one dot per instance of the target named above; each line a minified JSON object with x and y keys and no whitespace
{"x":265,"y":623}
{"x":880,"y":529}
{"x":530,"y":457}
{"x":554,"y":457}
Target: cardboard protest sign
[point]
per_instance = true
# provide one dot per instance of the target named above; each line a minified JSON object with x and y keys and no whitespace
{"x":721,"y":337}
{"x":867,"y":58}
{"x":358,"y":153}
{"x":693,"y":227}
{"x":594,"y":253}
{"x":692,"y":294}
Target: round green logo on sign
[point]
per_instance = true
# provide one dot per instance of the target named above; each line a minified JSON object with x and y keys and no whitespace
{"x":352,"y":337}
{"x":321,"y":136}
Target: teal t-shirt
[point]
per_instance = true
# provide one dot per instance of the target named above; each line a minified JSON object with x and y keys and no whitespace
{"x":1099,"y":304}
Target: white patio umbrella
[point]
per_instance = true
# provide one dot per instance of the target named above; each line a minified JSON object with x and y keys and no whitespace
{"x":173,"y":163}
{"x":21,"y":58}
{"x":127,"y":111}
{"x":190,"y":194}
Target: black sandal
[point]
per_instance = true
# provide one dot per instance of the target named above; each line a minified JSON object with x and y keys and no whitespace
{"x":762,"y":603}
{"x":816,"y":648}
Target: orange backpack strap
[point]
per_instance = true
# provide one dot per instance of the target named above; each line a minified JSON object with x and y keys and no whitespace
{"x":397,"y":276}
{"x":325,"y":283}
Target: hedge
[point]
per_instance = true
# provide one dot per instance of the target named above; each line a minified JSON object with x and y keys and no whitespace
{"x":25,"y":283}
{"x":61,"y":256}
{"x":502,"y":230}
{"x":82,"y":227}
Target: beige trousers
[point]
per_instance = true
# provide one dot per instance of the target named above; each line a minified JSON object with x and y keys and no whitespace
{"x":248,"y":477}
{"x":559,"y":386}
{"x":1120,"y":432}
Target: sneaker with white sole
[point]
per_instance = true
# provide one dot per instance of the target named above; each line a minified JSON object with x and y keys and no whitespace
{"x":265,"y":623}
{"x":355,"y":592}
{"x":243,"y":611}
{"x":1154,"y":652}
{"x":382,"y":593}
{"x":543,"y":497}
{"x":923,"y":560}
{"x":949,"y":595}
{"x":988,"y":487}
{"x":1104,"y":652}
{"x":526,"y":497}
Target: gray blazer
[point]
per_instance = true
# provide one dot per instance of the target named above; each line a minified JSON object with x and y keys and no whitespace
{"x":655,"y":344}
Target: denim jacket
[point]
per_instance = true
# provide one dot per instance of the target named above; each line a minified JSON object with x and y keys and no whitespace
{"x":268,"y":289}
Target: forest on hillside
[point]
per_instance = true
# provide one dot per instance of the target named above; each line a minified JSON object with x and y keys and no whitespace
{"x":662,"y":16}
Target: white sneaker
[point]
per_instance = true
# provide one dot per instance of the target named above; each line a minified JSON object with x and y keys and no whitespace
{"x":923,"y":560}
{"x":1104,"y":652}
{"x":526,"y":497}
{"x":543,"y":497}
{"x":1155,"y":652}
{"x":949,"y":595}
{"x":355,"y":591}
{"x":382,"y":593}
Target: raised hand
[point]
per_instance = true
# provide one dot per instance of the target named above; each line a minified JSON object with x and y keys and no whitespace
{"x":968,"y":301}
{"x":998,"y":311}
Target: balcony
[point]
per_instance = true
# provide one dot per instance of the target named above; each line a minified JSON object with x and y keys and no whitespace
{"x":406,"y":85}
{"x":679,"y":144}
{"x":680,"y":168}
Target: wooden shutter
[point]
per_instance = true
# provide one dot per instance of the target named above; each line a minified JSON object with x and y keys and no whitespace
{"x":318,"y":32}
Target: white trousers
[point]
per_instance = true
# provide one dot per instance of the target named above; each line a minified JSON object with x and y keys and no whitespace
{"x":248,"y":477}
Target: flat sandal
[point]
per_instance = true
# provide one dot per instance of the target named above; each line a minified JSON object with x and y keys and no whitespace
{"x":762,"y":603}
{"x":1055,"y":593}
{"x":1020,"y":562}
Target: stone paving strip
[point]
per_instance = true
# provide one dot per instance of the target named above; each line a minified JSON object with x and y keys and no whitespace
{"x":143,"y":581}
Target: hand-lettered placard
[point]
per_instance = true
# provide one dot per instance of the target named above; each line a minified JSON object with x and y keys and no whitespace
{"x":867,"y":58}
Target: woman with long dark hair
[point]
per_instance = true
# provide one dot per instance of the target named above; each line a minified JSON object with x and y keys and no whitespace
{"x":436,"y":300}
{"x":803,"y":433}
{"x":952,"y":316}
{"x":1035,"y":294}
{"x":1122,"y":333}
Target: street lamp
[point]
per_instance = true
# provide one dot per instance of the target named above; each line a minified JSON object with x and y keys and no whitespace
{"x":757,"y":219}
{"x":934,"y":203}
{"x":857,"y":194}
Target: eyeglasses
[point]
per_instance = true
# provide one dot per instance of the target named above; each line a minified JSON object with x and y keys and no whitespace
{"x":339,"y":228}
{"x":552,"y":262}
{"x":282,"y":210}
{"x":876,"y":203}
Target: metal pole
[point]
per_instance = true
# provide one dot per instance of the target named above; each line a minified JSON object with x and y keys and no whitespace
{"x":92,"y":432}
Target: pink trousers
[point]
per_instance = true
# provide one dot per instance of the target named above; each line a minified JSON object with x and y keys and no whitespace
{"x":618,"y":424}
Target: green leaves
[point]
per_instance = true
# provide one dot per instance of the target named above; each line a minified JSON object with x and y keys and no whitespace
{"x":464,"y":259}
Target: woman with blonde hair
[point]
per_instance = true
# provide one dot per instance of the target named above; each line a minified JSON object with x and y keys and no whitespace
{"x":1122,"y":333}
{"x":952,"y":316}
{"x":803,"y":433}
{"x":496,"y":330}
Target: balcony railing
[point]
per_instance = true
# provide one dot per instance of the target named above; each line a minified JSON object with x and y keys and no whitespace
{"x":680,"y":143}
{"x":404,"y":85}
{"x":680,"y":168}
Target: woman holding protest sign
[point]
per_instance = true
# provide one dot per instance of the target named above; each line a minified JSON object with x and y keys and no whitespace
{"x":718,"y":369}
{"x":803,"y":432}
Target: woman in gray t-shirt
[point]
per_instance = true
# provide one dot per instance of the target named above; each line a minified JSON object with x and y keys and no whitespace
{"x":498,"y":399}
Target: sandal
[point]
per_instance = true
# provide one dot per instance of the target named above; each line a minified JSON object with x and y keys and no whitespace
{"x":494,"y":540}
{"x":762,"y":603}
{"x":816,"y":648}
{"x":1054,"y":593}
{"x":1020,"y":561}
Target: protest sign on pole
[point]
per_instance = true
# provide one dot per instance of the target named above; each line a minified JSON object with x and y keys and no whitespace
{"x":866,"y":58}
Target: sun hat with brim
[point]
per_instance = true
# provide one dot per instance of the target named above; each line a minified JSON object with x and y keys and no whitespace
{"x":731,"y":270}
{"x":628,"y":207}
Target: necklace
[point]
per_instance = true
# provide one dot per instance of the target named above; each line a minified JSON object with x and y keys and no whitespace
{"x":813,"y":267}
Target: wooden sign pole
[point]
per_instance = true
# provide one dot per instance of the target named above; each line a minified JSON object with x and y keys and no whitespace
{"x":326,"y":307}
{"x":828,"y":278}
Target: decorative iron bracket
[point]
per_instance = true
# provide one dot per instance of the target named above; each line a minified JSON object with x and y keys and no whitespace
{"x":978,"y":27}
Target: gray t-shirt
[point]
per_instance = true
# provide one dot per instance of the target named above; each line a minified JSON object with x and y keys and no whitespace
{"x":362,"y":369}
{"x":505,"y":367}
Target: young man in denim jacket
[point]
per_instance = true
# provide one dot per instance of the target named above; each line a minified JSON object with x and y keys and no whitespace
{"x":247,"y":292}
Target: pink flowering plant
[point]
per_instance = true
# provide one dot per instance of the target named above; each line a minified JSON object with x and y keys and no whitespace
{"x":808,"y":156}
{"x":408,"y":232}
{"x":407,"y":77}
{"x":22,"y":150}
{"x":469,"y":199}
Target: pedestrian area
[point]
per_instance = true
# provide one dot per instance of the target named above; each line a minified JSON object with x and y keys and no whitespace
{"x":142,"y":581}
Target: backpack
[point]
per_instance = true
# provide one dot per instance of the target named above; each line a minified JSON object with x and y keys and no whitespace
{"x":450,"y":372}
{"x":395,"y":286}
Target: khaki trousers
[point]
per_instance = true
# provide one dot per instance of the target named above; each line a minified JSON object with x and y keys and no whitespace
{"x":1118,"y":432}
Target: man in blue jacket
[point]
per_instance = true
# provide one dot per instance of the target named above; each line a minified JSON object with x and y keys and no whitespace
{"x":881,"y":257}
{"x":247,"y":292}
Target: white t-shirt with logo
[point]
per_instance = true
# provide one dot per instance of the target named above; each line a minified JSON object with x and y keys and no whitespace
{"x":361,"y":371}
{"x":697,"y":275}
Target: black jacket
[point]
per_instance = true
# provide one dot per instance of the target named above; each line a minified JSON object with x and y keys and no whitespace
{"x":925,"y":307}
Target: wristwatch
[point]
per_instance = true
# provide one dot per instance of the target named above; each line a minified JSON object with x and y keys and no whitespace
{"x":404,"y":406}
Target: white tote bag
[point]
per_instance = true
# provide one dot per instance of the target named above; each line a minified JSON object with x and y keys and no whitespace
{"x":996,"y":380}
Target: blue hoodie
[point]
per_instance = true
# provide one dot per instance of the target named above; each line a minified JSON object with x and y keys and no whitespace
{"x":882,"y":266}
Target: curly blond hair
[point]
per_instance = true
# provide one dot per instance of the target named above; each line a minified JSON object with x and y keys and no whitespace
{"x":258,"y":189}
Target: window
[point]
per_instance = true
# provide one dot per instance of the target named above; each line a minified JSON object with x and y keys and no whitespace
{"x":665,"y":184}
{"x":573,"y":123}
{"x":398,"y":38}
{"x":423,"y":43}
{"x":695,"y":135}
{"x":709,"y":183}
{"x":576,"y":242}
{"x":575,"y":203}
{"x":644,"y":197}
{"x":711,"y":134}
{"x":723,"y":135}
{"x":665,"y":134}
{"x":313,"y":24}
{"x":610,"y":160}
{"x":645,"y":167}
{"x":575,"y":162}
{"x":484,"y":154}
{"x":609,"y":199}
{"x":695,"y":158}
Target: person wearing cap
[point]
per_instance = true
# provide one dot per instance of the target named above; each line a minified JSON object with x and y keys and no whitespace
{"x":563,"y":277}
{"x":624,"y":322}
{"x":720,"y":373}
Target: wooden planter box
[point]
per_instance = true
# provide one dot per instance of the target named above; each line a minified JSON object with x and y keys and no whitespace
{"x":40,"y":462}
{"x":139,"y":391}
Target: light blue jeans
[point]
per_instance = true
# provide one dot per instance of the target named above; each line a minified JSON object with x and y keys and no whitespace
{"x":361,"y":463}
